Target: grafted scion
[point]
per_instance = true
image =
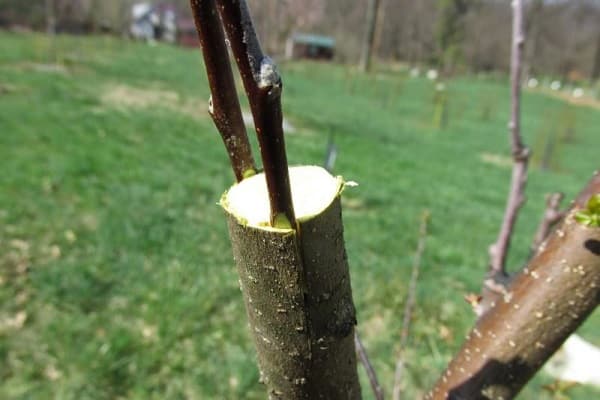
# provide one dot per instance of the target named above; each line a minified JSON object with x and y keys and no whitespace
{"x":263,"y":87}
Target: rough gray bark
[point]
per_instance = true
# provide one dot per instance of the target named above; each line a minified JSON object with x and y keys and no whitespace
{"x":299,"y":303}
{"x":545,"y":303}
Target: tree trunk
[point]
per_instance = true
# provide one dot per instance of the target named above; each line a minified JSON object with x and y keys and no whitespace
{"x":50,"y":18}
{"x":296,"y":288}
{"x":367,"y":50}
{"x":596,"y":67}
{"x":553,"y":295}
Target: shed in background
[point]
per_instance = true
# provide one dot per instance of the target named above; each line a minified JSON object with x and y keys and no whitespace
{"x":304,"y":45}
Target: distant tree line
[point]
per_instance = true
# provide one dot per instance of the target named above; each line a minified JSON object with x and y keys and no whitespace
{"x":469,"y":35}
{"x":456,"y":35}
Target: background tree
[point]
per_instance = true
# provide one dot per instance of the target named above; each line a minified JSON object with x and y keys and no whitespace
{"x":369,"y":38}
{"x":596,"y":66}
{"x":450,"y":31}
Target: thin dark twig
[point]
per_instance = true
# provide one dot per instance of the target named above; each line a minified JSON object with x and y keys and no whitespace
{"x":364,"y":359}
{"x":520,"y":153}
{"x":409,"y":305}
{"x":224,"y":106}
{"x":263,"y":86}
{"x":552,"y":215}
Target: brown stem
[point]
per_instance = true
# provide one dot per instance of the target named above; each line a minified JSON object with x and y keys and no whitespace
{"x":544,"y":304}
{"x":263,"y":87}
{"x":409,"y":305}
{"x":552,"y":215}
{"x":364,"y":359}
{"x":224,"y":106}
{"x":520,"y":153}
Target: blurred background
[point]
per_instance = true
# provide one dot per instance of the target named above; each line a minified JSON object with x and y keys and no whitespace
{"x":466,"y":35}
{"x":116,"y":274}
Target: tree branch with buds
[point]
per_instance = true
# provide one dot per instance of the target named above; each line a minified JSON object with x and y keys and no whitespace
{"x":263,"y":86}
{"x":520,"y":153}
{"x":224,"y":106}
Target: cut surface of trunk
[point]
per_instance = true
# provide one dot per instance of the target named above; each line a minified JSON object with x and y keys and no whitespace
{"x":296,"y":287}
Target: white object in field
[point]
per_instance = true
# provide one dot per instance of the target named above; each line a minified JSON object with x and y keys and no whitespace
{"x":555,"y":85}
{"x":313,"y":190}
{"x":532,"y":83}
{"x":141,"y":24}
{"x":169,"y":26}
{"x":578,"y":92}
{"x":415,"y":72}
{"x":432,"y":74}
{"x":576,"y":361}
{"x":140,"y":9}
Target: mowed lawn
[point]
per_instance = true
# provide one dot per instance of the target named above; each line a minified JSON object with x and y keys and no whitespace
{"x":116,"y":274}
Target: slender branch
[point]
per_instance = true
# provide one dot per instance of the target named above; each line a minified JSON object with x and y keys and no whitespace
{"x":520,"y":153}
{"x":364,"y":359}
{"x":552,"y":215}
{"x":224,"y":106}
{"x":263,"y":86}
{"x":409,"y":305}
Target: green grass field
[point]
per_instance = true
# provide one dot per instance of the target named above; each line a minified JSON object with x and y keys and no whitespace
{"x":116,"y":275}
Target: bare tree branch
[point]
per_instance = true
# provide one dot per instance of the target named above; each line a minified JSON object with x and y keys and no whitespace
{"x":520,"y":153}
{"x":552,"y":215}
{"x":364,"y":359}
{"x":409,"y":305}
{"x":224,"y":106}
{"x":544,"y":304}
{"x":263,"y":86}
